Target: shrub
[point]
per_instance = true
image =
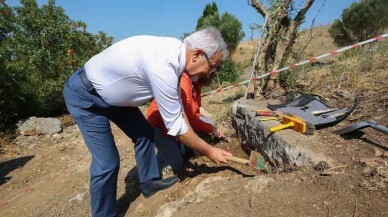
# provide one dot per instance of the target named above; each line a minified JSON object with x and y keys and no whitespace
{"x":229,"y":26}
{"x":228,"y":72}
{"x":362,"y":20}
{"x":39,"y":48}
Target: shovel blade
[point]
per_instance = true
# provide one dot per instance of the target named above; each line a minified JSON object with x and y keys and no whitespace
{"x":257,"y":161}
{"x":351,"y":128}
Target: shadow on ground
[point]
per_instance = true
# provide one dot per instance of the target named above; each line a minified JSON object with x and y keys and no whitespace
{"x":8,"y":166}
{"x":132,"y":183}
{"x":198,"y":169}
{"x":132,"y":191}
{"x":359,"y":135}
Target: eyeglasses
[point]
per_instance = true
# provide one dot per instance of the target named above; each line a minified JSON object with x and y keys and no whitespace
{"x":213,"y":68}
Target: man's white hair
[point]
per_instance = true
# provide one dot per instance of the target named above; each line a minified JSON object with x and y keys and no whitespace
{"x":208,"y":39}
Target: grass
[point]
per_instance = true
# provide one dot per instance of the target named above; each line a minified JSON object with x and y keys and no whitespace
{"x":351,"y":69}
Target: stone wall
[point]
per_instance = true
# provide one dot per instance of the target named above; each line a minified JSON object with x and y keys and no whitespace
{"x":283,"y":149}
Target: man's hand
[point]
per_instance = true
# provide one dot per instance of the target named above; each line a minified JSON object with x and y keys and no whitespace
{"x":217,"y":133}
{"x":192,"y":140}
{"x":217,"y":155}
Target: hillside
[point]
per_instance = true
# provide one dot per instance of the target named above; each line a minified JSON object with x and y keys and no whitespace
{"x":318,"y":41}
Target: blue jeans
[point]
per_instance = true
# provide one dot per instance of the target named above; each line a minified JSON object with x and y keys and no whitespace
{"x":169,"y":150}
{"x":92,"y":115}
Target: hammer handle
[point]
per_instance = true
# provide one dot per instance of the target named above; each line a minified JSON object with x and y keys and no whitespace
{"x":237,"y":160}
{"x":281,"y":127}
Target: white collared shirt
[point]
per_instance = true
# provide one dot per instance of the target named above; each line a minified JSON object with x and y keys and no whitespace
{"x":137,"y":69}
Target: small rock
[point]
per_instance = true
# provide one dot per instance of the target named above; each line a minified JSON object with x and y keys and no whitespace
{"x":378,"y":153}
{"x":369,"y":172}
{"x":342,"y":94}
{"x":62,"y":148}
{"x":385,"y":154}
{"x":210,"y":188}
{"x":167,"y":210}
{"x":18,"y":149}
{"x":327,"y":173}
{"x":140,"y":209}
{"x":78,"y":197}
{"x":257,"y":184}
{"x":167,"y":171}
{"x":39,"y":126}
{"x":321,"y":166}
{"x":378,"y":117}
{"x":371,"y":162}
{"x":227,"y":139}
{"x":31,"y":146}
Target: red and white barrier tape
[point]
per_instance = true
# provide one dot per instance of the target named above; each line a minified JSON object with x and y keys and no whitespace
{"x":292,"y":66}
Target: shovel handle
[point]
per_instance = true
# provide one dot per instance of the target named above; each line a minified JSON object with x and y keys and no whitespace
{"x":380,"y":128}
{"x":281,"y":127}
{"x":237,"y":160}
{"x":268,"y":119}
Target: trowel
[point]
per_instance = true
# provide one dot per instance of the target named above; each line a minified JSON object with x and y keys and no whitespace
{"x":256,"y":161}
{"x":361,"y":125}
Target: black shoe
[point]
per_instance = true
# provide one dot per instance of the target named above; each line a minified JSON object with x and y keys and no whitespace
{"x":152,"y":186}
{"x":181,"y":174}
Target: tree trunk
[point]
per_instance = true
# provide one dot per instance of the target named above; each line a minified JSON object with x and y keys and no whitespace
{"x":281,"y":36}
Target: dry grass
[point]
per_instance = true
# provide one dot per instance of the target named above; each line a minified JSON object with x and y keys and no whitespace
{"x":243,"y":55}
{"x":219,"y":107}
{"x":350,"y":73}
{"x":320,"y":43}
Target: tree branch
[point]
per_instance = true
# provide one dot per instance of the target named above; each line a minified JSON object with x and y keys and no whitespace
{"x":301,"y":52}
{"x":287,"y":3}
{"x":293,"y":32}
{"x":300,"y":16}
{"x":258,"y":6}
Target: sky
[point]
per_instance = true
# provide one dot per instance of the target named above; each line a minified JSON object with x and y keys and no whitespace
{"x":172,"y":18}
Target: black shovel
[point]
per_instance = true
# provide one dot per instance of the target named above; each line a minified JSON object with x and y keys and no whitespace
{"x":361,"y":125}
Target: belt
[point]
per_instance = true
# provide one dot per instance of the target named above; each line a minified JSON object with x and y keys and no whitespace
{"x":85,"y":80}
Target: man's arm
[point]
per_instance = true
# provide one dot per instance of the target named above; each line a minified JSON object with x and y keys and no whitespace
{"x":192,"y":140}
{"x":165,"y":90}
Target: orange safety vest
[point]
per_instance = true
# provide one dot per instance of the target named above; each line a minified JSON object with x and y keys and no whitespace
{"x":191,"y":99}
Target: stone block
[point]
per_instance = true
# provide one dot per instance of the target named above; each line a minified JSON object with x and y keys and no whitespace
{"x":283,"y":149}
